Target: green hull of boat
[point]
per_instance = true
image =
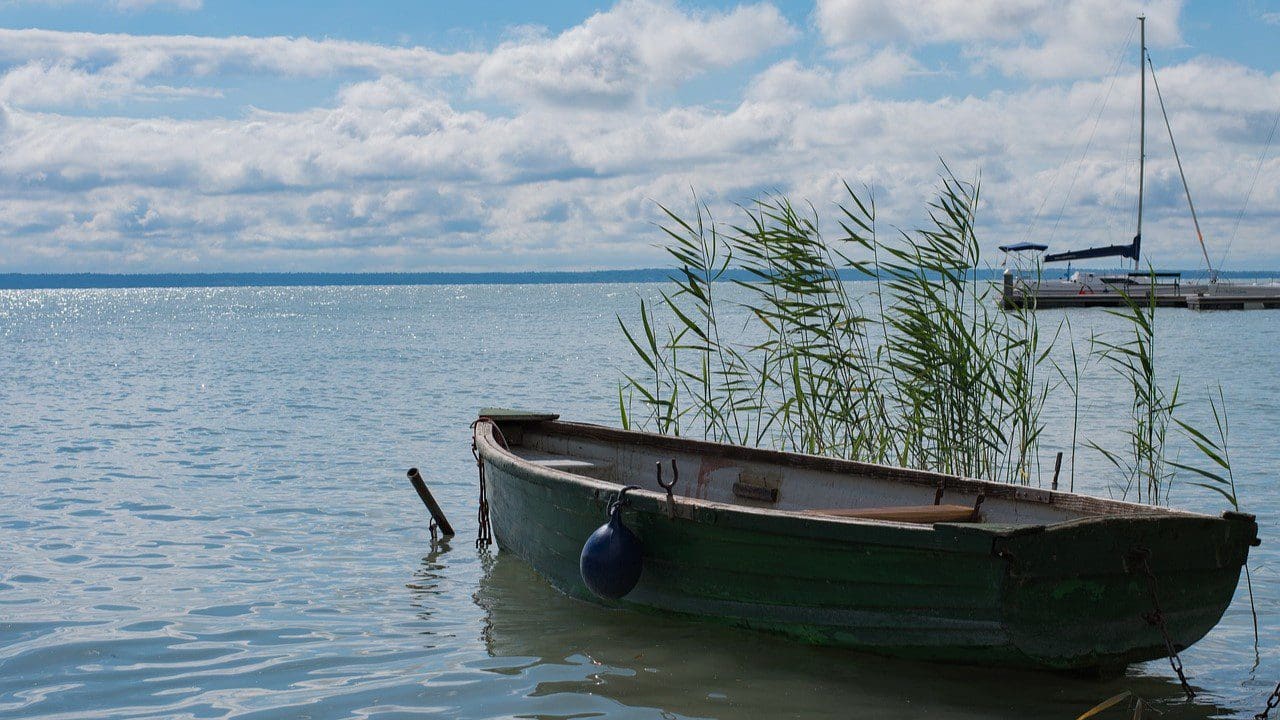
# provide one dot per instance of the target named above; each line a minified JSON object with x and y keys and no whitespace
{"x":1066,"y":596}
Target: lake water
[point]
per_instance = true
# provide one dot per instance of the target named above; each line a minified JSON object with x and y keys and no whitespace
{"x":203,"y":513}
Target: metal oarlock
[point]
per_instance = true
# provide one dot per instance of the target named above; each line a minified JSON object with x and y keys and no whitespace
{"x":675,"y":478}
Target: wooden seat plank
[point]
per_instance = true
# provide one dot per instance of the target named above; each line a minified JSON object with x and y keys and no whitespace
{"x":926,"y":514}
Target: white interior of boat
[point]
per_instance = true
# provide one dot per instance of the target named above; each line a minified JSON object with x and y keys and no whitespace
{"x":776,"y":486}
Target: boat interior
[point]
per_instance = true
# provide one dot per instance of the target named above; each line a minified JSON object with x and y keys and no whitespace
{"x":821,"y":487}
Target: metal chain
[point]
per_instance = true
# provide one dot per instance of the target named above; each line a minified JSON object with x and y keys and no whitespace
{"x":1272,"y":702}
{"x":1156,"y":618}
{"x":484,"y":535}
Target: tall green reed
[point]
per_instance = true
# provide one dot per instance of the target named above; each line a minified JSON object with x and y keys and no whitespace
{"x":1143,"y":464}
{"x":1072,"y":375}
{"x":931,"y":375}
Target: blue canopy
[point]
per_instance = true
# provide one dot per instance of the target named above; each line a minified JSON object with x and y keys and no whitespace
{"x":1019,"y":247}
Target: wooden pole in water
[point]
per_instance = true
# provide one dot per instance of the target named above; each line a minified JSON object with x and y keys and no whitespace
{"x":1057,"y":466}
{"x":432,"y":506}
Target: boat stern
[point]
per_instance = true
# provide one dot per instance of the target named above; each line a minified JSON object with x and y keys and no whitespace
{"x":1094,"y":593}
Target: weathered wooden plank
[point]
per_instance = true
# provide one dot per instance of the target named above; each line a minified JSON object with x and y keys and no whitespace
{"x":926,"y":514}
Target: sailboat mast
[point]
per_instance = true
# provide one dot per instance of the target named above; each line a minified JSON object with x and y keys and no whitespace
{"x":1142,"y":124}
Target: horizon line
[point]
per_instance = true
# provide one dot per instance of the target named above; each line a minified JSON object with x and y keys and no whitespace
{"x":328,"y":278}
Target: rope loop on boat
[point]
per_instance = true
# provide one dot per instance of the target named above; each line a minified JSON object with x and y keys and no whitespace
{"x":1137,"y":559}
{"x":484,"y":534}
{"x":675,"y":478}
{"x":1272,"y":701}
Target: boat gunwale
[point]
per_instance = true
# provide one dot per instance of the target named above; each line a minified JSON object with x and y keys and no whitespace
{"x":1099,"y":509}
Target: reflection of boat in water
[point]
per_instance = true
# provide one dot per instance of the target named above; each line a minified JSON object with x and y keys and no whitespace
{"x":576,"y":655}
{"x":854,"y":555}
{"x":1164,"y":289}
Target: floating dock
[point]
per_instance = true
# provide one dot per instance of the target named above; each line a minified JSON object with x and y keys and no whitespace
{"x":1196,"y":296}
{"x":1269,"y":300}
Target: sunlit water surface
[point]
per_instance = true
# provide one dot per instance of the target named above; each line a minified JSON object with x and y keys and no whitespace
{"x":203,"y":513}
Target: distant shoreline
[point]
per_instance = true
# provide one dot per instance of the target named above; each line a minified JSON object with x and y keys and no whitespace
{"x":53,"y":281}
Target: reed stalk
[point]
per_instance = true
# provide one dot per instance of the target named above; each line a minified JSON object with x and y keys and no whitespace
{"x":1072,"y":381}
{"x":1144,"y":464}
{"x":932,"y":376}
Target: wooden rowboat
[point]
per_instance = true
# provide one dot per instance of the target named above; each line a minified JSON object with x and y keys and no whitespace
{"x":888,"y":560}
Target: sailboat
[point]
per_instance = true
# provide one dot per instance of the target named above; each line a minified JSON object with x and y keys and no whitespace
{"x":1166,"y":289}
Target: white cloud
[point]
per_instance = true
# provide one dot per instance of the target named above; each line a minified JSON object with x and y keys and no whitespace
{"x":856,"y":73}
{"x":1081,"y":39}
{"x":61,"y":85}
{"x":614,"y":56}
{"x":144,"y":56}
{"x":398,"y":171}
{"x":791,"y":81}
{"x":846,"y":22}
{"x":392,"y":173}
{"x":885,"y":67}
{"x":1032,"y":38}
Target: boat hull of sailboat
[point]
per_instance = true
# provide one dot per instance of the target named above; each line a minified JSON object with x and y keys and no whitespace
{"x":1093,"y":291}
{"x":1050,"y":294}
{"x":1059,"y":590}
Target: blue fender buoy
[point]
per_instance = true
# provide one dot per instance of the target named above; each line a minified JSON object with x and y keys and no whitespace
{"x":611,"y":559}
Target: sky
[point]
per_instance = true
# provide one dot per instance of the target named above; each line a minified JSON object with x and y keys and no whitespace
{"x":206,"y":136}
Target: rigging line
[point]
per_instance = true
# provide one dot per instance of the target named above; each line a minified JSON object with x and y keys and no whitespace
{"x":1256,"y":171}
{"x":1115,"y":73}
{"x":1115,"y":76}
{"x":1178,"y":158}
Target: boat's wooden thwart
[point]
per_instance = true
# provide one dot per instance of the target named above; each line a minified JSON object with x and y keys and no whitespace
{"x":926,"y":514}
{"x":783,"y":542}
